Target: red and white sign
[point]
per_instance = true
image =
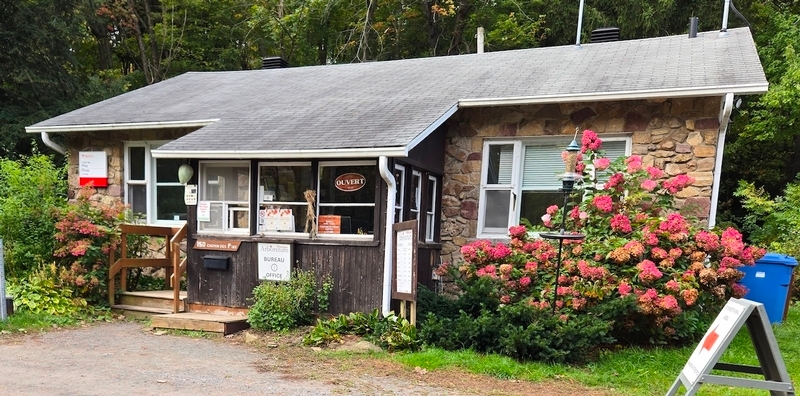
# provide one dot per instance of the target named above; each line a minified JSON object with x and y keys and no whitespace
{"x":329,"y":224}
{"x":720,"y":330}
{"x":93,"y":168}
{"x":350,"y":182}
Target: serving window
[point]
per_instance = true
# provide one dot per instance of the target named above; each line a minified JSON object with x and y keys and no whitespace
{"x":346,"y":197}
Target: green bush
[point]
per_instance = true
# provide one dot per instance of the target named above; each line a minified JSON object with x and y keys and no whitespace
{"x":390,"y":332}
{"x":32,"y":190}
{"x":45,"y":291}
{"x":281,"y":306}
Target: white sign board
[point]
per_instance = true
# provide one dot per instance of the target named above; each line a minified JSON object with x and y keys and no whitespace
{"x":405,"y":261}
{"x":93,"y":168}
{"x":204,"y":211}
{"x":190,"y":194}
{"x":720,"y":330}
{"x":274,"y":261}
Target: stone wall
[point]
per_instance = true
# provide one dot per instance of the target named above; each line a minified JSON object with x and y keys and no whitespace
{"x":675,"y":135}
{"x":112,"y":143}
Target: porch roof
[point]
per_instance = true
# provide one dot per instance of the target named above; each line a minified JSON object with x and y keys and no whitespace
{"x":386,"y":108}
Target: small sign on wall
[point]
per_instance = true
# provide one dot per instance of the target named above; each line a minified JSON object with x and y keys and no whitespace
{"x":204,"y":211}
{"x":274,"y":261}
{"x":190,"y":194}
{"x":329,"y":224}
{"x":93,"y":168}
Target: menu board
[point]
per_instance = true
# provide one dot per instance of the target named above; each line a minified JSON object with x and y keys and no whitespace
{"x":404,"y":265}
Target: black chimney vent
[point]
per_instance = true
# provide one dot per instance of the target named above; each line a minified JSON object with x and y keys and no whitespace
{"x":274,"y":62}
{"x":604,"y":35}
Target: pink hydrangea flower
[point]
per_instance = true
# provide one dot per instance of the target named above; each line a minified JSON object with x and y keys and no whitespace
{"x":731,"y":241}
{"x":615,"y":181}
{"x":624,"y":289}
{"x":552,"y":209}
{"x":499,"y":252}
{"x":518,"y":231}
{"x":634,"y":163}
{"x":505,"y":269}
{"x":603,"y":202}
{"x":649,"y":185}
{"x":621,"y":223}
{"x":678,"y":183}
{"x":669,"y":303}
{"x":583,"y":215}
{"x":547,"y":220}
{"x":674,"y":224}
{"x":590,"y":141}
{"x":601,"y":163}
{"x":505,"y":299}
{"x":524,"y":281}
{"x":654,"y":172}
{"x":648,"y":272}
{"x":707,"y":241}
{"x":658,"y":253}
{"x":530,"y":266}
{"x":673,"y":286}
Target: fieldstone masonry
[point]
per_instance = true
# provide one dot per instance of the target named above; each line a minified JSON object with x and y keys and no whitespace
{"x":113,"y":144}
{"x":675,"y":135}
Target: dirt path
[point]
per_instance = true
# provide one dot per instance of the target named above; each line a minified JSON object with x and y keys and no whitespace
{"x":124,"y":358}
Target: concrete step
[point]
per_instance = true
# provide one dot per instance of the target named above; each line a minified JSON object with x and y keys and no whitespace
{"x":225,"y":324}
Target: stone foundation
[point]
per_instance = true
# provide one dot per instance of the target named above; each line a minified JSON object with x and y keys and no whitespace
{"x":675,"y":135}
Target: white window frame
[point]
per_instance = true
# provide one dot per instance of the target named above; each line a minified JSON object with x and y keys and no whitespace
{"x":430,"y":216}
{"x":400,"y":187}
{"x":515,"y":186}
{"x":415,"y":213}
{"x":323,"y":164}
{"x":261,"y":202}
{"x":150,"y":180}
{"x":228,"y":207}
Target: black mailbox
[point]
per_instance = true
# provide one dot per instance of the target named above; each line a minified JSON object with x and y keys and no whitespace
{"x":216,"y":262}
{"x":9,"y":305}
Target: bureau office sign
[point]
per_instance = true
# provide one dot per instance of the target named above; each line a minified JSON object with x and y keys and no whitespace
{"x":274,"y":261}
{"x":350,"y":182}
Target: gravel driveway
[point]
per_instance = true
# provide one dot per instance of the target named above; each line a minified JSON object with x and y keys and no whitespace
{"x":124,"y":359}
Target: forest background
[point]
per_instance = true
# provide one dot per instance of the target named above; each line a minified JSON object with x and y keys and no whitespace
{"x":59,"y":55}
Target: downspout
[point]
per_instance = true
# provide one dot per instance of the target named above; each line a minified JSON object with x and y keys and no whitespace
{"x":388,"y":177}
{"x":724,"y":119}
{"x":53,"y":145}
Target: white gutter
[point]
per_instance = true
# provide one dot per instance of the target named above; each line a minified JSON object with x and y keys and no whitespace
{"x":619,"y":95}
{"x":388,"y":239}
{"x":724,"y":118}
{"x":53,"y":145}
{"x":283,"y":154}
{"x":129,"y":125}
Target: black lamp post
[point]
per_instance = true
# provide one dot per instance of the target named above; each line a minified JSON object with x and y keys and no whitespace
{"x":568,"y":180}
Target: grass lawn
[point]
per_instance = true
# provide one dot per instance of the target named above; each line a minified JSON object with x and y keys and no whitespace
{"x":631,"y":371}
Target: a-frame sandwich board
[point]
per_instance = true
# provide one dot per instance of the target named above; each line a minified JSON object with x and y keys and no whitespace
{"x":734,"y":314}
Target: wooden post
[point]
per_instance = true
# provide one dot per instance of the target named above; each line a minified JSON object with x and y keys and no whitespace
{"x":123,"y":280}
{"x":110,"y":278}
{"x":3,"y":313}
{"x":413,"y":315}
{"x":403,"y":309}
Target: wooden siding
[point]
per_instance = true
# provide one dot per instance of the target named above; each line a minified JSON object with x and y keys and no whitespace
{"x":228,"y":288}
{"x":429,"y":154}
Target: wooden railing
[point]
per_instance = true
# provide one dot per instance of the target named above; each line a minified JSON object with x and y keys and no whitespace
{"x":173,"y":265}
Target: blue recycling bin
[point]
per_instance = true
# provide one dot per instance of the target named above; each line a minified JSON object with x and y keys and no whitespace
{"x":769,"y":282}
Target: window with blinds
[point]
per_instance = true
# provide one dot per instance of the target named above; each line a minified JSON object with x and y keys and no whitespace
{"x":521,"y":179}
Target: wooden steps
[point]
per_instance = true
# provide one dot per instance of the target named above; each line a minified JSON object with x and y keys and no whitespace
{"x":225,"y":324}
{"x":157,"y":305}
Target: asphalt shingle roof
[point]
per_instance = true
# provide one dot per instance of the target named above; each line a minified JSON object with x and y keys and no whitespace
{"x":387,"y":104}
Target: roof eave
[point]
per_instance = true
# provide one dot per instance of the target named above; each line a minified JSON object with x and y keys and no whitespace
{"x":745,"y":89}
{"x":284,"y":154}
{"x":120,"y":126}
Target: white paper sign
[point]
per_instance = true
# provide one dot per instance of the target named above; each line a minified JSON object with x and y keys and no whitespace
{"x":274,"y":261}
{"x":93,"y":168}
{"x":405,"y":261}
{"x":190,"y":194}
{"x":719,"y":330}
{"x":204,"y":211}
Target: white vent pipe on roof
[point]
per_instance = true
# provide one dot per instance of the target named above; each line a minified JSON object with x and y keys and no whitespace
{"x":391,"y":187}
{"x":580,"y":22}
{"x":724,"y":16}
{"x":481,"y":34}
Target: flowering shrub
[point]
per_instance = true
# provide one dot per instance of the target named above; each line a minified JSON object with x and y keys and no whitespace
{"x":643,"y":268}
{"x":86,"y":232}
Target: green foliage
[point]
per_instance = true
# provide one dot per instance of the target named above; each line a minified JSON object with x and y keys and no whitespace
{"x":391,"y":332}
{"x":32,"y":190}
{"x":282,"y":306}
{"x":45,"y":291}
{"x":772,"y":222}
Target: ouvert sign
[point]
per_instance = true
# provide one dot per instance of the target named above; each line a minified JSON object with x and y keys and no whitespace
{"x":706,"y":355}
